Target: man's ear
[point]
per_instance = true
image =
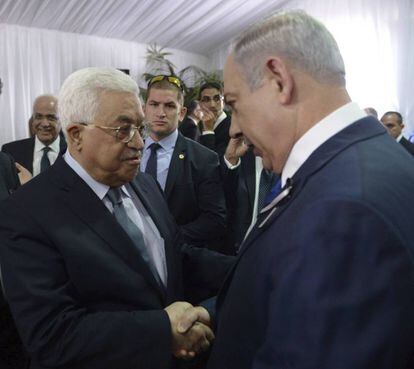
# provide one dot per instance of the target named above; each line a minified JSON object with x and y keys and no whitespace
{"x":182,"y":113}
{"x":74,"y":134}
{"x":280,"y":73}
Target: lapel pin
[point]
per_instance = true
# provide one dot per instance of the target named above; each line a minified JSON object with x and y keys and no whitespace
{"x":181,"y":156}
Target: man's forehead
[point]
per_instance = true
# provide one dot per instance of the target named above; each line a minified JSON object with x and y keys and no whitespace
{"x":164,"y":95}
{"x":45,"y":103}
{"x":210,"y":92}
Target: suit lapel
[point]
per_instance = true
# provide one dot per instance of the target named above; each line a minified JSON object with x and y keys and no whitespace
{"x":250,"y":167}
{"x":145,"y":194}
{"x":361,"y":130}
{"x":29,"y":154}
{"x":88,"y":207}
{"x":176,"y":165}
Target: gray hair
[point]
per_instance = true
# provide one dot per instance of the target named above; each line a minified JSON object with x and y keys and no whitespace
{"x":295,"y":36}
{"x":80,"y":93}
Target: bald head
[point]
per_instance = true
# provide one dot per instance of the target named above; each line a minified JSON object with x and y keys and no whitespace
{"x":45,"y":123}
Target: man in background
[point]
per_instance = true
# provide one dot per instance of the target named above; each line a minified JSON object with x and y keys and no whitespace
{"x":216,"y":123}
{"x":38,"y":153}
{"x":392,"y":120}
{"x":190,"y":126}
{"x":187,"y":172}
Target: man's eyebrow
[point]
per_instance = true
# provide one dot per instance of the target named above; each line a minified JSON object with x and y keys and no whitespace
{"x":125,"y":119}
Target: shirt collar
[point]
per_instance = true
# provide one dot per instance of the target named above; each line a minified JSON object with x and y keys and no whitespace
{"x":398,"y":139}
{"x":166,"y":143}
{"x":54,"y":146}
{"x":318,"y":134}
{"x":99,"y":188}
{"x":221,"y":117}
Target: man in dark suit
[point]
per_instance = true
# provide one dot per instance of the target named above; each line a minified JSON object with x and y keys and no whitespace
{"x":189,"y":127}
{"x":392,"y":120}
{"x":39,"y":152}
{"x":186,"y":171}
{"x":216,"y":123}
{"x":91,"y":271}
{"x":326,"y":277}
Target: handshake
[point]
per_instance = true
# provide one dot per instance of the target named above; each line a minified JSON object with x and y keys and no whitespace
{"x":190,"y":327}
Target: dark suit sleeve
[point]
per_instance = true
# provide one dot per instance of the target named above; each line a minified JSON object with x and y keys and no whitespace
{"x":343,"y":297}
{"x":211,"y":222}
{"x":188,"y":130}
{"x":57,"y":327}
{"x":8,"y":174}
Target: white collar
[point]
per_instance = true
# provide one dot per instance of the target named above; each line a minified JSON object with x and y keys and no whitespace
{"x":398,"y":139}
{"x":318,"y":134}
{"x":166,"y":143}
{"x":221,"y":117}
{"x":99,"y":188}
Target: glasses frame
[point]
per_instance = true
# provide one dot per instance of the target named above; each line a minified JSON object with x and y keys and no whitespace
{"x":172,"y":79}
{"x":210,"y":99}
{"x":133,"y":132}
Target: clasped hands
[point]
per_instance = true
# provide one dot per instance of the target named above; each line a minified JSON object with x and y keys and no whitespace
{"x":190,"y":326}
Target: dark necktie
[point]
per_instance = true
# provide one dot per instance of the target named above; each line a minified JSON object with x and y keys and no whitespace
{"x":44,"y":162}
{"x":273,"y":192}
{"x":266,"y":182}
{"x":115,"y":196}
{"x":152,"y":160}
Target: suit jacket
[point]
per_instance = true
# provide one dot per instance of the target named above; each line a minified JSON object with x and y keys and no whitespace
{"x":326,"y":278}
{"x":81,"y":294}
{"x":219,"y":141}
{"x":194,"y":192}
{"x":9,"y":181}
{"x":409,"y":146}
{"x":23,"y":151}
{"x":189,"y":129}
{"x":239,"y":188}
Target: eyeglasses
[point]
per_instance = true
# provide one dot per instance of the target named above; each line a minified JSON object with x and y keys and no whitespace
{"x":215,"y":98}
{"x":174,"y":80}
{"x":49,"y":117}
{"x":123,"y":133}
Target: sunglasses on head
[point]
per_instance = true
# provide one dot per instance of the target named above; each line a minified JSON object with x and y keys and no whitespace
{"x":174,"y":80}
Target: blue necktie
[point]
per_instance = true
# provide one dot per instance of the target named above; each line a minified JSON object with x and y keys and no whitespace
{"x":151,"y":167}
{"x":115,"y":197}
{"x":267,"y":179}
{"x":274,"y":191}
{"x":44,"y":162}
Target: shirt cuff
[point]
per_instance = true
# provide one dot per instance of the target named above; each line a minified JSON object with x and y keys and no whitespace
{"x":230,"y":165}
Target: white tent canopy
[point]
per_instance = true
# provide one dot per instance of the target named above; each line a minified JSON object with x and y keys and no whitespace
{"x":43,"y":41}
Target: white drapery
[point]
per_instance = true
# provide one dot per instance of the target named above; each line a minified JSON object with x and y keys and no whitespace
{"x":36,"y":61}
{"x":376,"y":38}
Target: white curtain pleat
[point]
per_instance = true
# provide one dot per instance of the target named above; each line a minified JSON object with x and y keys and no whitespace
{"x":35,"y":62}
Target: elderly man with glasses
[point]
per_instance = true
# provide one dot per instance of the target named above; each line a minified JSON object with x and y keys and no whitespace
{"x":92,"y":271}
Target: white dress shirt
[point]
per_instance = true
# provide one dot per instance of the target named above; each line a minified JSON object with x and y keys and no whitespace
{"x":164,"y":155}
{"x":139,"y":216}
{"x":318,"y":134}
{"x":38,"y":153}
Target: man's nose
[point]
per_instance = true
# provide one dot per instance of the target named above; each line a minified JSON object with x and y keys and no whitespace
{"x":235,"y":130}
{"x":136,"y":142}
{"x":161,"y":111}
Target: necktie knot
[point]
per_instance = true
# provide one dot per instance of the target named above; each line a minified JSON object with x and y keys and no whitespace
{"x":114,"y":195}
{"x":154,"y":147}
{"x":46,"y":149}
